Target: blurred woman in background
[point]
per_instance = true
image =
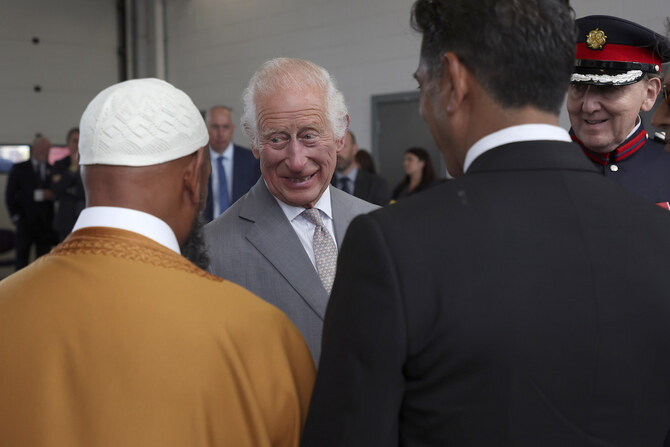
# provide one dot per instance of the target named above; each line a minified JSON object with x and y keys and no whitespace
{"x":419,"y":173}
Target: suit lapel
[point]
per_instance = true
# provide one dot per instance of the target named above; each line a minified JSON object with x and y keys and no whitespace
{"x":342,"y":213}
{"x":273,"y":236}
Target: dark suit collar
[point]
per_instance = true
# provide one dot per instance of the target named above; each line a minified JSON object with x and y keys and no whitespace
{"x":532,"y":155}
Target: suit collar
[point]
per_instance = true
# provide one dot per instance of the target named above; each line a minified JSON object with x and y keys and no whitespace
{"x":274,"y":237}
{"x":532,"y":155}
{"x":341,"y":202}
{"x":523,"y":132}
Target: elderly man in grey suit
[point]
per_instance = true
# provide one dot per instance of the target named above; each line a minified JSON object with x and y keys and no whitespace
{"x":280,"y":239}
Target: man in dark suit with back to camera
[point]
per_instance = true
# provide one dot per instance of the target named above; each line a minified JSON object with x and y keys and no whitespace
{"x":364,"y":185}
{"x":280,"y":240}
{"x":234,"y":168}
{"x":524,"y":303}
{"x":30,"y":202}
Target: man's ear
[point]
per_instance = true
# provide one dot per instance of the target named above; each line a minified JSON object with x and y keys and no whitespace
{"x":454,"y":80}
{"x":196,"y":176}
{"x":651,"y":92}
{"x":341,"y":141}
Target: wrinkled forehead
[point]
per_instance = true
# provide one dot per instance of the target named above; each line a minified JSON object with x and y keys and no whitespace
{"x":297,"y":104}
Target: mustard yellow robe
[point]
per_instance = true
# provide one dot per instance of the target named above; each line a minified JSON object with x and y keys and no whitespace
{"x":114,"y":340}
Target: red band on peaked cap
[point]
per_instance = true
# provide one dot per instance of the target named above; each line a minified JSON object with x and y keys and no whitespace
{"x":618,"y":53}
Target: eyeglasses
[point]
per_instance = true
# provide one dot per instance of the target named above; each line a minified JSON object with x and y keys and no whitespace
{"x":666,"y":93}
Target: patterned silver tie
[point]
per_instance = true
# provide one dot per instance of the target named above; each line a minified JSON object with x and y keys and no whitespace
{"x":325,"y":250}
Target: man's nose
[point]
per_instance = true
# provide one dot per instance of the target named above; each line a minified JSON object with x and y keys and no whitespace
{"x":591,"y":102}
{"x":296,"y":155}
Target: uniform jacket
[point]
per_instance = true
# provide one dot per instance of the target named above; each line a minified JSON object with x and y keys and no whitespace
{"x":253,"y":244}
{"x":640,"y":164}
{"x":524,"y":304}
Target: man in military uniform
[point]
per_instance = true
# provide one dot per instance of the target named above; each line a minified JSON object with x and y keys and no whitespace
{"x":616,"y":76}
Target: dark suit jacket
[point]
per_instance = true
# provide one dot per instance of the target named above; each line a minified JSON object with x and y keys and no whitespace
{"x":369,"y":187}
{"x":246,"y":171}
{"x":523,"y":304}
{"x":19,"y":196}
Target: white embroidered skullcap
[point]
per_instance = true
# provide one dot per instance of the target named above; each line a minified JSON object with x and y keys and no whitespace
{"x":140,"y":122}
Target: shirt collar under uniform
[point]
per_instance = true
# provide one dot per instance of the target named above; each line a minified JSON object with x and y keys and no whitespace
{"x":129,"y":220}
{"x":513,"y":134}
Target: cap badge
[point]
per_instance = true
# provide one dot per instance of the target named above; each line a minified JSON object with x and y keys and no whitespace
{"x":596,"y":39}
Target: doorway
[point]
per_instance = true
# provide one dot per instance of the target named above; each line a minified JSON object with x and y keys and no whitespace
{"x":397,"y":126}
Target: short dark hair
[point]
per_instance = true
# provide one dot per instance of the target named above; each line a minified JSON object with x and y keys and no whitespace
{"x":70,"y":132}
{"x":522,"y":52}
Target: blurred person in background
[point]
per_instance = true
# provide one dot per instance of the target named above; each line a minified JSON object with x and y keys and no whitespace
{"x":419,"y":173}
{"x":350,"y":179}
{"x":234,"y":168}
{"x":30,"y":202}
{"x":364,"y":161}
{"x":68,"y":187}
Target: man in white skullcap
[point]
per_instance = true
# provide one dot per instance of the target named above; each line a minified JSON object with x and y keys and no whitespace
{"x":115,"y":338}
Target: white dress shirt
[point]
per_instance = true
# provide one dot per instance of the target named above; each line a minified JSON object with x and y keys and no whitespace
{"x":523,"y":132}
{"x":304,"y":228}
{"x":228,"y":167}
{"x":129,"y":220}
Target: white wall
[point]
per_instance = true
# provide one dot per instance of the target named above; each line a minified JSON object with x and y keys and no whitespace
{"x":75,"y":58}
{"x":215,"y":46}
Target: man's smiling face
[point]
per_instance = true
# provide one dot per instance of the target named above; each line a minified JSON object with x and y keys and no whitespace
{"x":603,"y":116}
{"x":298,"y":150}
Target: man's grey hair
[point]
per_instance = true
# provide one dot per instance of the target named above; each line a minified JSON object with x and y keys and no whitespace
{"x":280,"y":74}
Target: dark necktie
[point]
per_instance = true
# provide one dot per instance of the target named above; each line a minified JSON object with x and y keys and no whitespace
{"x":224,"y":201}
{"x":345,"y":184}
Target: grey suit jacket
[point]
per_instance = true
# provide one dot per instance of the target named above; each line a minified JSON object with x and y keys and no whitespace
{"x":254,"y":245}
